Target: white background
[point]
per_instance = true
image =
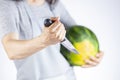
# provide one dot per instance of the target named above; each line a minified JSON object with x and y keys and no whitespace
{"x":101,"y":16}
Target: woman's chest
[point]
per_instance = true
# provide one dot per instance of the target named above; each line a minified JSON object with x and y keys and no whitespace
{"x":30,"y":21}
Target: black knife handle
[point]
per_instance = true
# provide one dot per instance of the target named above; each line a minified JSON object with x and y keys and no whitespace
{"x":48,"y":22}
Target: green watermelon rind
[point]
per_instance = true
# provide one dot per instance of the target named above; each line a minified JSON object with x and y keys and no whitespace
{"x":71,"y":37}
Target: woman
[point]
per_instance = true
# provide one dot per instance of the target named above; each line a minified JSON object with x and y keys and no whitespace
{"x":34,"y":48}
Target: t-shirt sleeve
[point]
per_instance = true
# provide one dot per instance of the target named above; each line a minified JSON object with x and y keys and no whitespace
{"x":65,"y":17}
{"x":7,"y":20}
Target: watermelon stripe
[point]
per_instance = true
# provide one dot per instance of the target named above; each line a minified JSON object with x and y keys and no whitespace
{"x":77,"y":35}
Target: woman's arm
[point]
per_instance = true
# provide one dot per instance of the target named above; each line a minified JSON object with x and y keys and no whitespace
{"x":68,"y":21}
{"x":9,"y":34}
{"x":18,"y":49}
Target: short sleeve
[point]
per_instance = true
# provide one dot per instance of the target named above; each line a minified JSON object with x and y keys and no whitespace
{"x":65,"y":17}
{"x":7,"y":20}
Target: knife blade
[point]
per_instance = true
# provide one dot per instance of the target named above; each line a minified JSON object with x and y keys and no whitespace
{"x":66,"y":43}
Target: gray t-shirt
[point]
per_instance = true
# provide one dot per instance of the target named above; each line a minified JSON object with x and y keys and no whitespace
{"x":27,"y":21}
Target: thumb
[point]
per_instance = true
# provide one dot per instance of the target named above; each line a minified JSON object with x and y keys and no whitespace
{"x":55,"y":18}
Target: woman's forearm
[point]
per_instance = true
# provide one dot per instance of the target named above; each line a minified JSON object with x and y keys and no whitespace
{"x":18,"y":49}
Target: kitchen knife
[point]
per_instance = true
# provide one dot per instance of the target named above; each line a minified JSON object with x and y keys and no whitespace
{"x":66,"y":43}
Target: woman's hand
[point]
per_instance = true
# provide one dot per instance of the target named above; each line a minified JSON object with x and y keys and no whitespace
{"x":54,"y":33}
{"x":93,"y":61}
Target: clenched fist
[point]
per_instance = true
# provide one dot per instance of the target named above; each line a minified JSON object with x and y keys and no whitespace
{"x":55,"y":33}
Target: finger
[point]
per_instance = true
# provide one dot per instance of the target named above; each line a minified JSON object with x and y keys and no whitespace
{"x":90,"y":62}
{"x":100,"y":58}
{"x":86,"y":66}
{"x":64,"y":32}
{"x":100,"y":54}
{"x":55,"y":18}
{"x":62,"y":35}
{"x":94,"y":59}
{"x":58,"y":30}
{"x":54,"y":26}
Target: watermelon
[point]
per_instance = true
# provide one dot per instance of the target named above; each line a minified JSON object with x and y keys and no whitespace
{"x":86,"y":43}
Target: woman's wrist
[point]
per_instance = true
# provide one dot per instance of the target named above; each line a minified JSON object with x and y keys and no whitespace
{"x":38,"y":42}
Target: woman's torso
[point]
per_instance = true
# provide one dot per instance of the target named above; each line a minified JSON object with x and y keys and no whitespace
{"x":43,"y":64}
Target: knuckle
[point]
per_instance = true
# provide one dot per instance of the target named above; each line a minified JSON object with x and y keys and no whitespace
{"x":51,"y":31}
{"x":57,"y":22}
